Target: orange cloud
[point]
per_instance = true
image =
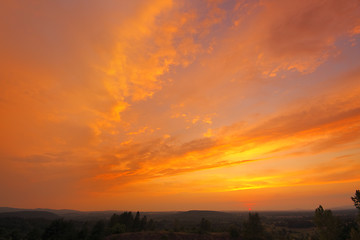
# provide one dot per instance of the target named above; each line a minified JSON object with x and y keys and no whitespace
{"x":211,"y":98}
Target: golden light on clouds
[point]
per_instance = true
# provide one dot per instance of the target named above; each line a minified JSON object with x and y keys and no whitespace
{"x":222,"y":105}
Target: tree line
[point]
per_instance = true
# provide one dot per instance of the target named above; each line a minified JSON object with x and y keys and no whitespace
{"x":330,"y":227}
{"x":325,"y":225}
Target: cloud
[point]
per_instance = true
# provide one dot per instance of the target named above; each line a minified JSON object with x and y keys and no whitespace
{"x":300,"y":36}
{"x":313,"y":126}
{"x":119,"y":96}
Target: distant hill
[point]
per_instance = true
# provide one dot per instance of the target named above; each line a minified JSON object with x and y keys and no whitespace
{"x":67,"y":213}
{"x":61,"y":212}
{"x":29,"y":214}
{"x":9,"y":209}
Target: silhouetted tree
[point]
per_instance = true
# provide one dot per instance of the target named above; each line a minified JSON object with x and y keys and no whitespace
{"x":114,"y":220}
{"x":327,"y":226}
{"x":253,"y":228}
{"x":118,"y":228}
{"x":136,"y":223}
{"x":98,"y":231}
{"x":127,"y":219}
{"x":60,"y":229}
{"x":205,"y":225}
{"x":355,"y":231}
{"x":84,"y":232}
{"x":143,"y":223}
{"x":356,"y":199}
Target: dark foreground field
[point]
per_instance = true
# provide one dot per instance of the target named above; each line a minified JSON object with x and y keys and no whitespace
{"x":170,"y":236}
{"x":48,"y":224}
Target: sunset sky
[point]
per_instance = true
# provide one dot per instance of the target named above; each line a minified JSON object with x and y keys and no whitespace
{"x":177,"y":105}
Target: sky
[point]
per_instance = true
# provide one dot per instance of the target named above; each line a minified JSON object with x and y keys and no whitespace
{"x":175,"y":105}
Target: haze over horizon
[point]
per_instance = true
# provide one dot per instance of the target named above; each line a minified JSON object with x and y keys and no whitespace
{"x":174,"y":105}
